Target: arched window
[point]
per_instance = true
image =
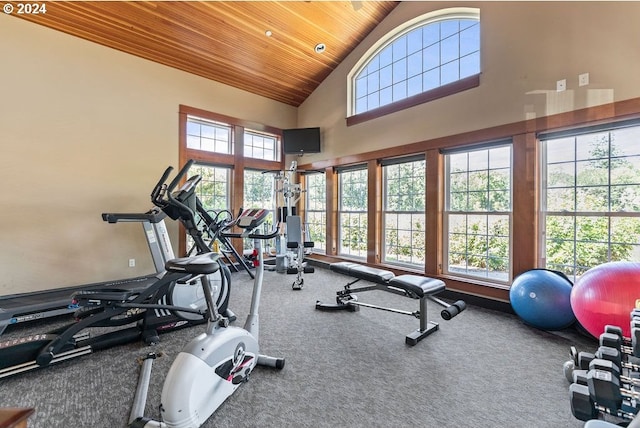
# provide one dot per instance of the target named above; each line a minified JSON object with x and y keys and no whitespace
{"x":418,"y":61}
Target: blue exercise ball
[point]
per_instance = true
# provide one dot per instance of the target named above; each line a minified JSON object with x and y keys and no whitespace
{"x":542,"y":298}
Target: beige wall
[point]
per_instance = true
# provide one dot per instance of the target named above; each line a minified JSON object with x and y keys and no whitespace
{"x":85,"y":129}
{"x":526,"y":48}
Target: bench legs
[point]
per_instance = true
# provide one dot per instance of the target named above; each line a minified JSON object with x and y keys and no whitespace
{"x":426,"y":327}
{"x":414,"y":286}
{"x":340,"y":305}
{"x":346,"y":301}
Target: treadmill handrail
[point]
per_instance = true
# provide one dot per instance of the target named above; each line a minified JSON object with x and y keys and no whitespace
{"x":154,"y":215}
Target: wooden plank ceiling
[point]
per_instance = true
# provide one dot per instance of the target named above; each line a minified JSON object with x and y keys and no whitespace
{"x":226,"y":41}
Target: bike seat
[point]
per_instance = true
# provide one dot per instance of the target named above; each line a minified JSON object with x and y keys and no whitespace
{"x":201,"y":264}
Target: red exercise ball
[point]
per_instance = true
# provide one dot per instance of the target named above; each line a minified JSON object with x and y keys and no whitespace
{"x":606,"y":294}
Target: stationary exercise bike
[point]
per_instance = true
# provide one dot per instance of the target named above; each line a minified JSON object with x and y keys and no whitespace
{"x":138,"y":312}
{"x":214,"y":364}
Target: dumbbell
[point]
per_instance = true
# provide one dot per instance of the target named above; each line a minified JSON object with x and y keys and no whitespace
{"x":579,"y":362}
{"x":605,"y":390}
{"x":613,"y":337}
{"x":582,"y":358}
{"x":580,"y":376}
{"x":614,"y":355}
{"x":573,"y":364}
{"x":584,"y":408}
{"x":609,"y":366}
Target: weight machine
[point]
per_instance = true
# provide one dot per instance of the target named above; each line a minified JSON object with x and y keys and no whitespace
{"x":291,"y":246}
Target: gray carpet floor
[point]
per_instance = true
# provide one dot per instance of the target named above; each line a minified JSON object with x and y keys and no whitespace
{"x":483,"y":368}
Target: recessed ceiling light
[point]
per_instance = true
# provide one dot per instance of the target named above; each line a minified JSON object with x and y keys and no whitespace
{"x":268,"y":33}
{"x":320,"y":48}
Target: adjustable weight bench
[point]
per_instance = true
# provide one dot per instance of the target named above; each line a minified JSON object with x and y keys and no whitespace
{"x":414,"y":286}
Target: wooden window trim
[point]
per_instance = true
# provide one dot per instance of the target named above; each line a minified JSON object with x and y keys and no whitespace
{"x":217,"y":117}
{"x":424,"y":97}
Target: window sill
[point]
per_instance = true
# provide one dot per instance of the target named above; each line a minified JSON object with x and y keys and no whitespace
{"x":475,"y":281}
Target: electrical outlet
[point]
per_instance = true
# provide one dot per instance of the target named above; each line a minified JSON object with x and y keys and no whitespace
{"x":132,"y":262}
{"x":561,"y":85}
{"x":583,"y":79}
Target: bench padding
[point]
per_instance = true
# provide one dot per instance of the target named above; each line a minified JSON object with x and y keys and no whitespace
{"x":418,"y":285}
{"x":366,"y":273}
{"x":415,"y":284}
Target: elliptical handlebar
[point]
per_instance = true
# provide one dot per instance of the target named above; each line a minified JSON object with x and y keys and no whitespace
{"x":179,"y":175}
{"x":177,"y":204}
{"x":162,"y":189}
{"x":175,"y":182}
{"x":158,"y":190}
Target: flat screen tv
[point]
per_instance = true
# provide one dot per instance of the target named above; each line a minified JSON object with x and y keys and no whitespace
{"x":301,"y":141}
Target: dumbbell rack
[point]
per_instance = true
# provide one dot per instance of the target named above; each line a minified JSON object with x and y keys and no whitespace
{"x":607,"y":382}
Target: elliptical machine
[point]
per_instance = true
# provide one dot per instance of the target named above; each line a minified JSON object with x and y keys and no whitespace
{"x":214,"y":364}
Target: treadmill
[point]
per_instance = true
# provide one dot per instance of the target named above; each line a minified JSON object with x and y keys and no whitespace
{"x":24,"y":307}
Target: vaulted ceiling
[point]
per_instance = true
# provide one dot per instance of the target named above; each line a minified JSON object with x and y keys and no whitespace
{"x":269,"y":48}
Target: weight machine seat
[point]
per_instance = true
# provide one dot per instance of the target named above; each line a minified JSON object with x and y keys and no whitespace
{"x":201,"y":264}
{"x":416,"y":285}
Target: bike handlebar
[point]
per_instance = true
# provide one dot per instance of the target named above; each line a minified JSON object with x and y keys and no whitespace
{"x":269,"y":235}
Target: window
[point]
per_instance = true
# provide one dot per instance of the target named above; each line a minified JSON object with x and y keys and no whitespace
{"x":316,"y":213}
{"x":258,"y":190}
{"x":209,"y":136}
{"x":213,"y":192}
{"x":591,"y":197}
{"x":213,"y":189}
{"x":404,"y":212}
{"x":425,"y":53}
{"x":260,"y":146}
{"x":352,"y":212}
{"x":229,"y":150}
{"x":478,"y":213}
{"x":258,"y":193}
